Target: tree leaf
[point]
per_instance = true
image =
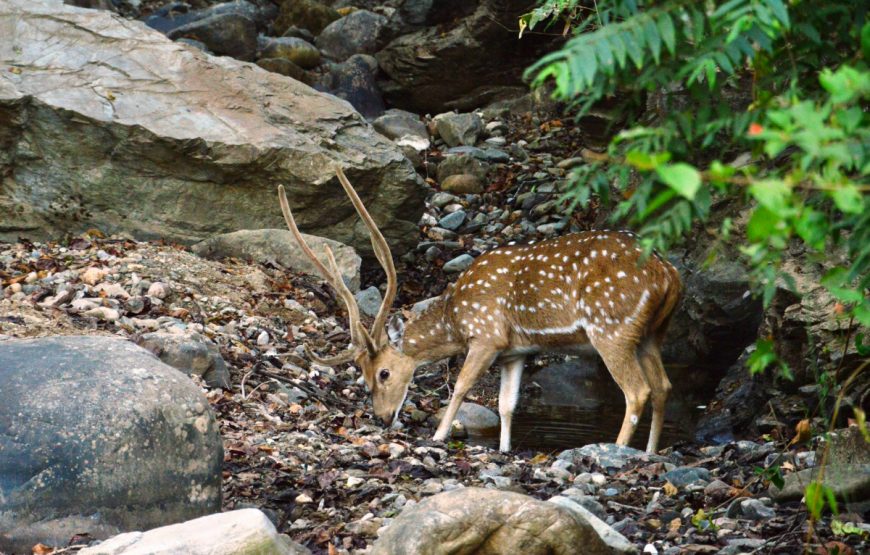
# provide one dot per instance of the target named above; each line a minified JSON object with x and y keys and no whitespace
{"x":682,"y":178}
{"x":771,"y":193}
{"x":847,"y":197}
{"x":666,"y":27}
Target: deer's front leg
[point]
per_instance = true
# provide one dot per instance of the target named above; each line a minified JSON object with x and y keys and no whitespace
{"x":477,"y":361}
{"x":509,"y":392}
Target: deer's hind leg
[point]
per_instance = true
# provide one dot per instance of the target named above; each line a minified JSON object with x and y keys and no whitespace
{"x":660,"y":387}
{"x":623,"y":364}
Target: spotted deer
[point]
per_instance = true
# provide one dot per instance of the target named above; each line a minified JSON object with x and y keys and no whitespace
{"x":560,"y":295}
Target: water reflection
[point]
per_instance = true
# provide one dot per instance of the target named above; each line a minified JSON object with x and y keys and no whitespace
{"x":576,"y":402}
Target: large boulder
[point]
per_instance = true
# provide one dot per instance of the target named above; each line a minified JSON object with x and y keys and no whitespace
{"x":307,"y":14}
{"x":98,"y":436}
{"x":227,"y":34}
{"x":108,"y":124}
{"x":279,"y":246}
{"x":421,"y":67}
{"x":355,"y":33}
{"x":485,"y":521}
{"x":245,"y":531}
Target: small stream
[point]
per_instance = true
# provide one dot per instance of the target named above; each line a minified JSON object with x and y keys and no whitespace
{"x":576,"y":402}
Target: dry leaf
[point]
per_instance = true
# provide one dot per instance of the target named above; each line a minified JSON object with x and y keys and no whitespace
{"x":674,"y":525}
{"x":803,"y":432}
{"x":670,"y":489}
{"x":539,"y":458}
{"x":42,"y":549}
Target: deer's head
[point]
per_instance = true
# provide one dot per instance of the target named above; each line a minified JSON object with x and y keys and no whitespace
{"x":386,"y":370}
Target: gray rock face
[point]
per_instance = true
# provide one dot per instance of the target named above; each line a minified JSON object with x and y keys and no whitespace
{"x":279,"y":246}
{"x":459,"y":129}
{"x":356,"y":33}
{"x":98,"y":436}
{"x":129,"y":132}
{"x":458,"y":264}
{"x":850,"y":483}
{"x":421,"y":66}
{"x":230,"y":533}
{"x":476,"y":520}
{"x":227,"y":34}
{"x":190,"y":353}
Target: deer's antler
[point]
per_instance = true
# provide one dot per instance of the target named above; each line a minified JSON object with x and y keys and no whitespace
{"x":361,"y":339}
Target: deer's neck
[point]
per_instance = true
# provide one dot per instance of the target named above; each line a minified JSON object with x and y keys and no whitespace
{"x":429,"y":337}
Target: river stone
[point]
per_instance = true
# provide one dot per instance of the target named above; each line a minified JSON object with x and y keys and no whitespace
{"x":356,"y":33}
{"x":191,"y":353}
{"x":458,"y":264}
{"x":485,"y":521}
{"x":461,"y":164}
{"x":227,"y":34}
{"x":395,"y":124}
{"x":178,"y":14}
{"x":685,"y":475}
{"x":453,"y":220}
{"x":279,"y":246}
{"x":284,"y":67}
{"x":463,"y":183}
{"x":614,"y":540}
{"x":473,"y":418}
{"x":354,"y":80}
{"x":458,"y":129}
{"x":298,"y":51}
{"x":246,"y":531}
{"x":155,"y":139}
{"x":98,"y":436}
{"x":610,"y":455}
{"x":307,"y":14}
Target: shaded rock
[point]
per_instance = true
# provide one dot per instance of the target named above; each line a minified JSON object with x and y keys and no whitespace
{"x":226,"y":34}
{"x":459,"y":264}
{"x":420,"y":67}
{"x":298,"y":51}
{"x":354,"y":80}
{"x":279,"y":246}
{"x":473,"y":417}
{"x":369,"y":301}
{"x":395,"y":124}
{"x":463,"y":183}
{"x":461,"y":164}
{"x":191,"y":353}
{"x":850,"y":483}
{"x":718,"y":317}
{"x":358,"y":32}
{"x":735,"y":403}
{"x":685,"y":475}
{"x":177,"y":14}
{"x":194,"y":43}
{"x":308,"y":14}
{"x":284,"y":67}
{"x":459,"y":129}
{"x":98,"y":436}
{"x":151,"y":152}
{"x":230,"y":533}
{"x":475,"y":520}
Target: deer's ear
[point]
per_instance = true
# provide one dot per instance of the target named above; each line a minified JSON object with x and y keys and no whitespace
{"x":396,"y":330}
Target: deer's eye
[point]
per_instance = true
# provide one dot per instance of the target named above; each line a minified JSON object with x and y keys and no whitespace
{"x":384,"y":374}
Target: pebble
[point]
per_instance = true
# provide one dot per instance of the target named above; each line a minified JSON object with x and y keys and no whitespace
{"x":102,"y":313}
{"x":441,"y":199}
{"x":263,"y":338}
{"x":158,"y":290}
{"x":458,"y":264}
{"x":93,"y":276}
{"x":463,"y":183}
{"x":453,"y":221}
{"x":441,"y":234}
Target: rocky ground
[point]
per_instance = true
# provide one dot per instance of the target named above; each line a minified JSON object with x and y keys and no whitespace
{"x":298,"y":440}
